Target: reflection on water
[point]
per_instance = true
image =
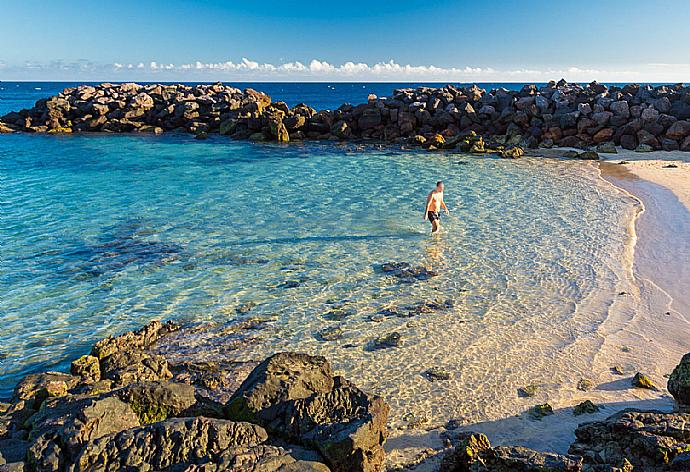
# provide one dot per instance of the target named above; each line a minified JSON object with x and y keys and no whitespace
{"x":510,"y":293}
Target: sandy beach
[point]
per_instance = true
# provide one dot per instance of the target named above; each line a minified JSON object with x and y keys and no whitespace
{"x":647,"y":329}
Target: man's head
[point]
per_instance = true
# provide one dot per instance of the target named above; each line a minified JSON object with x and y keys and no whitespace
{"x":439,"y":186}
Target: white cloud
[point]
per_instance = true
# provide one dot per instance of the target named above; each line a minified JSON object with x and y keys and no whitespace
{"x":318,"y":69}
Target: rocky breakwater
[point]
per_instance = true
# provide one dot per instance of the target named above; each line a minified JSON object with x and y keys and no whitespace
{"x":470,"y":119}
{"x":123,"y":407}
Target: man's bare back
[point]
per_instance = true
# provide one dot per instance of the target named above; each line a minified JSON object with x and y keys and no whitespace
{"x":434,"y":203}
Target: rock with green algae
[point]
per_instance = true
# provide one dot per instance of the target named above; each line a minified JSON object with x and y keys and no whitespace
{"x":472,"y":452}
{"x":528,"y":391}
{"x":679,"y":384}
{"x":512,"y":152}
{"x":648,"y":440}
{"x":158,"y":401}
{"x":87,"y":367}
{"x":586,"y":407}
{"x":640,"y":380}
{"x":538,"y":412}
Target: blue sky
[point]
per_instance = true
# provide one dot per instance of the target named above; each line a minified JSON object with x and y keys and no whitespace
{"x":346,"y":40}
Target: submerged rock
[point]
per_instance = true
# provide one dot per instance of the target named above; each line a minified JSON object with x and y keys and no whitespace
{"x":437,"y":373}
{"x":386,"y":341}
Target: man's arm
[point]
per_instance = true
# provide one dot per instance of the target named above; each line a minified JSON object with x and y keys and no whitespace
{"x":443,"y":204}
{"x":428,"y":203}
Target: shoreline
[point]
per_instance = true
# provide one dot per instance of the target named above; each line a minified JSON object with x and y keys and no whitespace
{"x":642,"y":322}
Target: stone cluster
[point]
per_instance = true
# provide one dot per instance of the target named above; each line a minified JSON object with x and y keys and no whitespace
{"x":289,"y":414}
{"x":123,"y":409}
{"x":639,"y":117}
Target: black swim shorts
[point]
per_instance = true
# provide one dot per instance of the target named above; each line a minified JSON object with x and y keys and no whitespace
{"x":433,"y":215}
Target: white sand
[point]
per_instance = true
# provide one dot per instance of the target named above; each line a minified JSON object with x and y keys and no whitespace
{"x":652,"y":166}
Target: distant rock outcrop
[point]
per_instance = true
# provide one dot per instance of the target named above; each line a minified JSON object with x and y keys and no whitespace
{"x":594,"y":116}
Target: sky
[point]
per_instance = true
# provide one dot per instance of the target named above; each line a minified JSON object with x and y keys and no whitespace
{"x":353,"y":40}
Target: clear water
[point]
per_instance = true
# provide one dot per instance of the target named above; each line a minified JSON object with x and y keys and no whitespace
{"x":102,"y":233}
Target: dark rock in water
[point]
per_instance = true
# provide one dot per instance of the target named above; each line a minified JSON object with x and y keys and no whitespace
{"x":679,"y":384}
{"x":290,"y":284}
{"x":338,"y":314}
{"x":386,"y":341}
{"x":139,"y":339}
{"x":473,"y":452}
{"x":331,"y":334}
{"x":426,"y":307}
{"x":642,"y":381}
{"x":650,"y":440}
{"x":528,"y":391}
{"x":297,"y":397}
{"x":390,"y":267}
{"x":586,"y":407}
{"x":537,"y":412}
{"x":437,"y":373}
{"x":245,"y":308}
{"x":406,"y":272}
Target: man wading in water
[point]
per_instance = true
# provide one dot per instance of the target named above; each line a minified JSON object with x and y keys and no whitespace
{"x":434,"y":203}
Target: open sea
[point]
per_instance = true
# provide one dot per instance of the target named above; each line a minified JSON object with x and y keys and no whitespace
{"x":103,"y":233}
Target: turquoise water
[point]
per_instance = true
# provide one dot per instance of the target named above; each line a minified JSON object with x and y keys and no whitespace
{"x":102,"y":233}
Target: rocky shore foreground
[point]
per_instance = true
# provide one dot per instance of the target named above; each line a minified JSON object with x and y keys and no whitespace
{"x":593,"y":117}
{"x":126,"y":406}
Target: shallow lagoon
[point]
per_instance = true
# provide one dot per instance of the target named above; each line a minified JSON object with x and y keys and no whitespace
{"x":102,"y":233}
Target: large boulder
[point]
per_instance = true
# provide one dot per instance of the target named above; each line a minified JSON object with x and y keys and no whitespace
{"x":679,"y":130}
{"x":64,"y":425}
{"x":679,"y":384}
{"x":650,"y":440}
{"x":296,"y":397}
{"x":160,"y":446}
{"x":280,"y":378}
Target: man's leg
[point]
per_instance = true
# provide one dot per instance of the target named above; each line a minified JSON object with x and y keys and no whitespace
{"x":435,"y":227}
